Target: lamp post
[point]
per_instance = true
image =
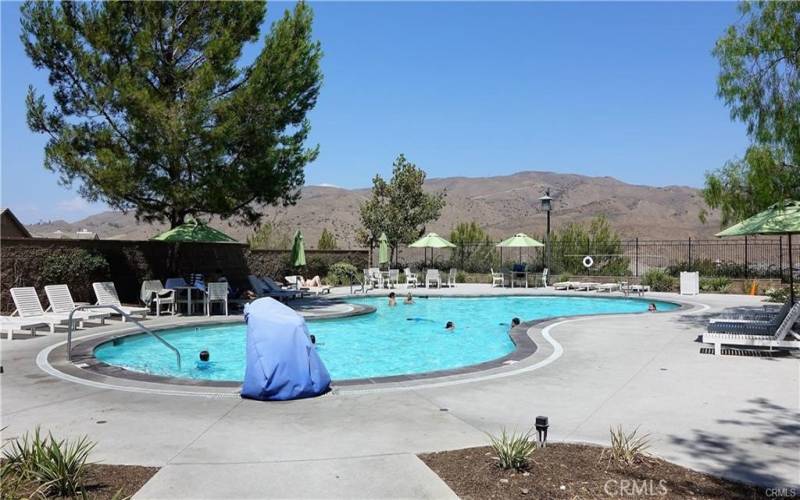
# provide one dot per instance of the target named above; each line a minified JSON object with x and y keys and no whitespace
{"x":547,"y":205}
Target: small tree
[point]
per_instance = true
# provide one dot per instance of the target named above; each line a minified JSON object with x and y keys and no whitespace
{"x":474,"y":250}
{"x":574,"y":241}
{"x":260,"y":239}
{"x":327,"y":241}
{"x":154,"y":112}
{"x":400,"y":208}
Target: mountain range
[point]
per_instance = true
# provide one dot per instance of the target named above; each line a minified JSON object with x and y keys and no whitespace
{"x":502,"y":205}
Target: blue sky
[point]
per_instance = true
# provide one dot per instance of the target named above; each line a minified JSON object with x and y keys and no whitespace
{"x":476,"y":89}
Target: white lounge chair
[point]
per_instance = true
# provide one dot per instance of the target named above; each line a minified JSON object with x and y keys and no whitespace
{"x":565,"y":285}
{"x":451,"y":277}
{"x":637,"y":289}
{"x":154,"y":293}
{"x":608,"y":287}
{"x":61,"y":302}
{"x":106,"y":294}
{"x":217,"y":292}
{"x":394,"y":277}
{"x":777,"y":338}
{"x":9,"y":324}
{"x":764,"y":315}
{"x":295,"y":284}
{"x":411,"y":278}
{"x":545,"y":273}
{"x":497,"y":278}
{"x":432,"y":276}
{"x":30,"y":308}
{"x":586,"y":286}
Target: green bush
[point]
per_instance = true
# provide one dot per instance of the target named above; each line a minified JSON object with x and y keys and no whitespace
{"x":659,"y":281}
{"x":715,"y":284}
{"x":781,"y":294}
{"x":57,"y":466}
{"x":562,"y":278}
{"x":341,"y":273}
{"x":461,"y":277}
{"x":513,"y":450}
{"x":75,"y":267}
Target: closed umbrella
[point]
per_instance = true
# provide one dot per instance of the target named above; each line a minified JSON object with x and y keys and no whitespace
{"x":298,"y":250}
{"x":432,"y":240}
{"x":383,"y":249}
{"x":781,"y":218}
{"x":520,"y":240}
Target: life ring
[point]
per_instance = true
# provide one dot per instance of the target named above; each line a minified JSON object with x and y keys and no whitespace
{"x":588,"y":261}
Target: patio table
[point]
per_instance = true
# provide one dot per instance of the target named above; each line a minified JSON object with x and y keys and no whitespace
{"x":188,"y":289}
{"x":516,"y":274}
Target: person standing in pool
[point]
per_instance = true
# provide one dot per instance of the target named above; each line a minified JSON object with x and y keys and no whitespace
{"x":651,"y":308}
{"x":204,"y":363}
{"x":409,"y":299}
{"x":392,"y":299}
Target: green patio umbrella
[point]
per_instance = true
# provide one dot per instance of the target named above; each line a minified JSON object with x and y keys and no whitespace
{"x":519,"y":240}
{"x":779,"y":219}
{"x":383,"y":249}
{"x":194,"y":230}
{"x":431,"y":240}
{"x":298,"y":250}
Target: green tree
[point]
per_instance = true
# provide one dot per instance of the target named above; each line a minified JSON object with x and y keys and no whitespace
{"x":759,"y":81}
{"x":400,"y":208}
{"x":474,"y":250}
{"x":154,"y":113}
{"x":574,"y":241}
{"x":327,"y":241}
{"x":260,"y":239}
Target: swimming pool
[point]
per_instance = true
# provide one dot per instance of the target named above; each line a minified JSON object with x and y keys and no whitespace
{"x":401,"y":340}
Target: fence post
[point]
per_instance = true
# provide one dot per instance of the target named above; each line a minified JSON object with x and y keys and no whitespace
{"x":690,"y":253}
{"x":637,"y":256}
{"x":780,"y":256}
{"x":746,"y":264}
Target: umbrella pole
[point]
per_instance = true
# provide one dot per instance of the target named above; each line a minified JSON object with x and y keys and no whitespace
{"x":791,"y":271}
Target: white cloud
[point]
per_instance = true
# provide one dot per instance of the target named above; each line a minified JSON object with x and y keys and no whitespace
{"x":326,"y":185}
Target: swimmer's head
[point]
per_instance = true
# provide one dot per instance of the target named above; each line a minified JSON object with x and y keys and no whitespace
{"x":515,"y":322}
{"x":449,"y":326}
{"x":313,"y":338}
{"x":391,"y":295}
{"x":204,"y":355}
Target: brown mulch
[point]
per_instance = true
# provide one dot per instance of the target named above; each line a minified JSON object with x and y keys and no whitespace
{"x":572,"y":471}
{"x":102,"y":482}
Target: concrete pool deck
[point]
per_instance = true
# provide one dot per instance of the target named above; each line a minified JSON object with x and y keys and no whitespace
{"x":731,"y":415}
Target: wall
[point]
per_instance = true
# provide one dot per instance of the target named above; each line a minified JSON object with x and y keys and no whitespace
{"x":130,"y":262}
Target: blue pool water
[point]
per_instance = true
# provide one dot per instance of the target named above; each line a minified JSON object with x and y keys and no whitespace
{"x":380,"y":344}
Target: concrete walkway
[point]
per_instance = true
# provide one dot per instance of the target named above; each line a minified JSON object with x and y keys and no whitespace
{"x":730,"y":415}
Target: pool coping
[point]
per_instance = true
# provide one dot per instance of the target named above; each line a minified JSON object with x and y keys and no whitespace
{"x":85,"y":365}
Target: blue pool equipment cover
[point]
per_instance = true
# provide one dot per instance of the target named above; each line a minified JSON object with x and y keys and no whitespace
{"x":281,"y":361}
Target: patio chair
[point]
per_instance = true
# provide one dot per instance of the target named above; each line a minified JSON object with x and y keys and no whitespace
{"x":106,"y":294}
{"x":9,"y":324}
{"x":497,"y":278}
{"x":608,"y":287}
{"x":411,"y":278}
{"x":565,"y":285}
{"x":776,"y":337}
{"x":376,"y":277}
{"x":432,"y":276}
{"x":217,"y":292}
{"x":545,"y":273}
{"x":262,"y":289}
{"x":394,"y":277}
{"x":451,"y":277}
{"x":61,"y":302}
{"x":29,"y":308}
{"x":586,"y":286}
{"x":752,"y":326}
{"x":637,"y":289}
{"x":154,"y":293}
{"x":762,"y":315}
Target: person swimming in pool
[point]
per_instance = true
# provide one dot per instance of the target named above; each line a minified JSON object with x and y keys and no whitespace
{"x":392,"y":299}
{"x":409,"y":299}
{"x":204,"y":363}
{"x":651,"y":308}
{"x":450,"y":326}
{"x":515,"y":322}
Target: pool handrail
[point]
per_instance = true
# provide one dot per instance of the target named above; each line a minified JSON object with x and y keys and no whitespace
{"x":127,"y":316}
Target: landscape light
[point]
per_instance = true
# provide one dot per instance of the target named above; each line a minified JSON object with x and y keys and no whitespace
{"x":546,"y":201}
{"x":541,"y":429}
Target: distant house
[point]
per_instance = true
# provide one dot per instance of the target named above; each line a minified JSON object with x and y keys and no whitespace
{"x":11,"y":227}
{"x":84,"y":234}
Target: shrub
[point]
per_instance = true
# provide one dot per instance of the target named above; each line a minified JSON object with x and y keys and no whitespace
{"x":781,"y":294}
{"x":341,"y":273}
{"x":461,"y":277}
{"x":658,"y":280}
{"x":75,"y":267}
{"x":562,"y":278}
{"x":715,"y":284}
{"x":628,"y":448}
{"x":513,"y":449}
{"x":58,"y":466}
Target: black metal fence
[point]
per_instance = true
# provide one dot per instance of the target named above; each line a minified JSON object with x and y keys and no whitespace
{"x":754,"y":257}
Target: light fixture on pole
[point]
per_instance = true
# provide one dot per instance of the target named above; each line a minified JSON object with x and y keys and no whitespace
{"x":542,"y":424}
{"x":547,"y":205}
